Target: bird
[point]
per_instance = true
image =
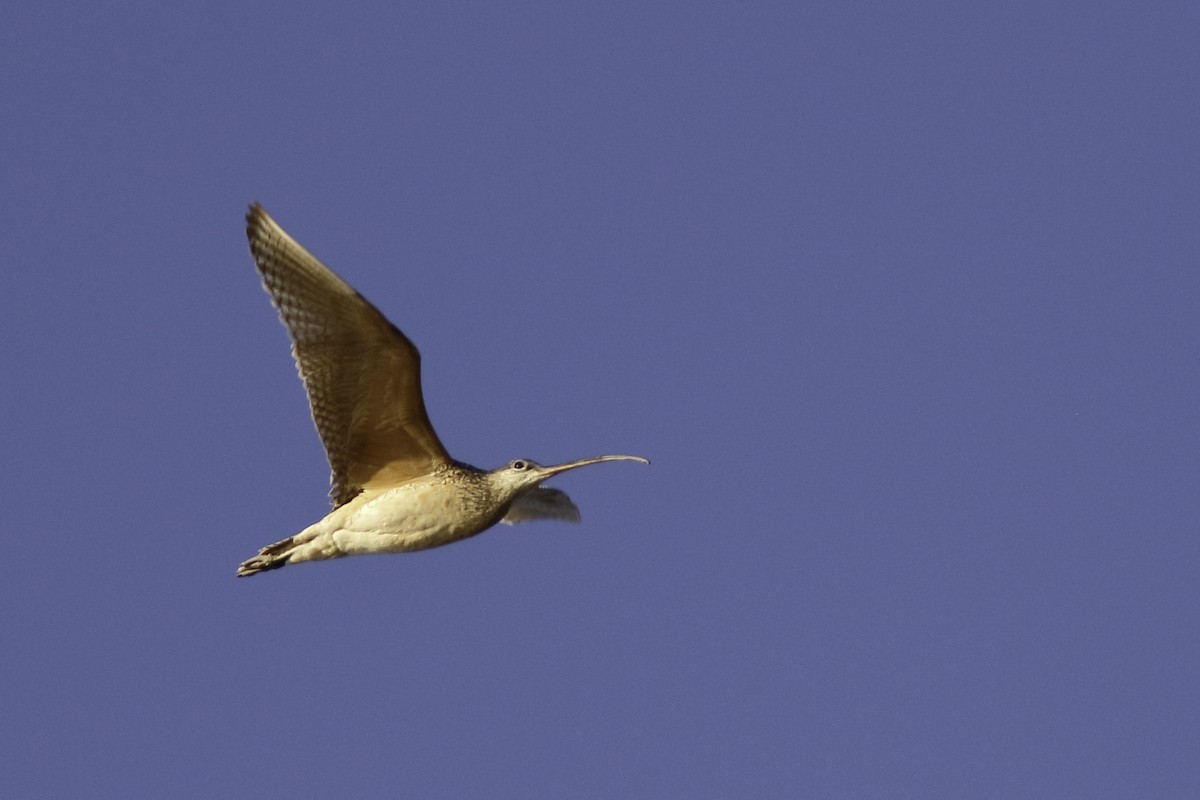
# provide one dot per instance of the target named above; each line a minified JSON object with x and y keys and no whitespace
{"x":393,"y":486}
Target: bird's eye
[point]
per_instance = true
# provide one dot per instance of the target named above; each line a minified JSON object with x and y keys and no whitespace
{"x":519,"y":465}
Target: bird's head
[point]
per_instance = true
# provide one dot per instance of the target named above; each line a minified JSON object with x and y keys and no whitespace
{"x":520,"y":475}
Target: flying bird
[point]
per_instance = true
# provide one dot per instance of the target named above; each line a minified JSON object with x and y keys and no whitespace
{"x":393,"y":486}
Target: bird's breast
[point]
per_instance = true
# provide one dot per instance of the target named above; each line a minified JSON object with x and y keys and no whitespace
{"x":419,"y":515}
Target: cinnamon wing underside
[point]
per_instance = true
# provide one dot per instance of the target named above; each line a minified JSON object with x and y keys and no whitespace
{"x":362,"y":375}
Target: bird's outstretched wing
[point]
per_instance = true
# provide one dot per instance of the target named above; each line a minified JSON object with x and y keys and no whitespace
{"x":363,"y":376}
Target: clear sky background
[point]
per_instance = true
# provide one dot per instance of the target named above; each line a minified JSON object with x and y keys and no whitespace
{"x":900,"y":299}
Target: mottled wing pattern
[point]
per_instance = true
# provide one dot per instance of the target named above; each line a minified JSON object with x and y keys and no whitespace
{"x":541,"y":503}
{"x":362,"y":375}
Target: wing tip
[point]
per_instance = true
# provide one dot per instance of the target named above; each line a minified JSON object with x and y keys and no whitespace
{"x":257,"y":219}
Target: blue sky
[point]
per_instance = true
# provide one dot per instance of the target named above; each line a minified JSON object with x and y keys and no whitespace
{"x":900,"y":299}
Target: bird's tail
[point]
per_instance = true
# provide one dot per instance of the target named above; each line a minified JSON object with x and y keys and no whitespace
{"x":273,"y":556}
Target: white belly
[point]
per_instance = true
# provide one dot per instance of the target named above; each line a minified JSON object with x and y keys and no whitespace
{"x":411,"y":517}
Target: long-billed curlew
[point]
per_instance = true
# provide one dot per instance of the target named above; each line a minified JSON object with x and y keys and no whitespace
{"x":394,"y":486}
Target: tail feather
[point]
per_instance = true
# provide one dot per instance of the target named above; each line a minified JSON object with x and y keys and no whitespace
{"x":273,"y":556}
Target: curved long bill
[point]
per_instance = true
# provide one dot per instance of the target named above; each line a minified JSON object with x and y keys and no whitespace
{"x":583,"y":462}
